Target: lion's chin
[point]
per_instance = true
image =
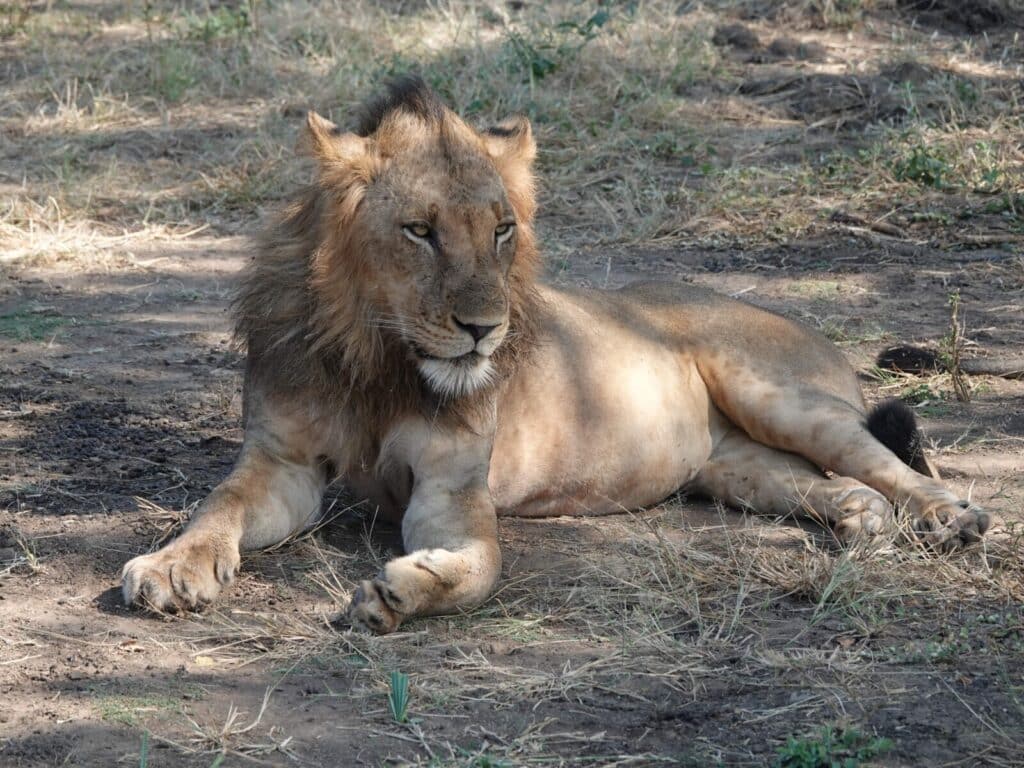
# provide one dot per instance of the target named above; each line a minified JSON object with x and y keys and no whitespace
{"x":459,"y":376}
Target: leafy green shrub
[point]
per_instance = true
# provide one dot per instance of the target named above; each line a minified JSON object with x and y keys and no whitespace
{"x":924,"y":165}
{"x":833,"y":748}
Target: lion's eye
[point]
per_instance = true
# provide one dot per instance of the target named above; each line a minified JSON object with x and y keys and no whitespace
{"x":503,"y":231}
{"x":418,"y":229}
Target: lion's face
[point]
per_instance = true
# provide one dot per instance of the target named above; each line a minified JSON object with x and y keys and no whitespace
{"x":443,"y":235}
{"x":437,"y":236}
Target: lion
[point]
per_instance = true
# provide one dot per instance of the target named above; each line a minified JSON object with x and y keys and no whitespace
{"x":400,"y":340}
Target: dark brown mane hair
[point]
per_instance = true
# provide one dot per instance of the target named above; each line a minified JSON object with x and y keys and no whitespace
{"x":406,"y":93}
{"x":303,"y":312}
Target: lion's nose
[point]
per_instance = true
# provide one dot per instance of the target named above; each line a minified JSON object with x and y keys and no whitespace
{"x":474,"y":330}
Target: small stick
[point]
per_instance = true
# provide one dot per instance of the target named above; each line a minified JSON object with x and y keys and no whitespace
{"x":956,"y":343}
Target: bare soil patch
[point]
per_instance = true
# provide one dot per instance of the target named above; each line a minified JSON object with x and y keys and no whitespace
{"x":971,"y":17}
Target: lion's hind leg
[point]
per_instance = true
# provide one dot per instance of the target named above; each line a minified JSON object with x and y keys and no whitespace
{"x":790,"y":411}
{"x":752,"y":476}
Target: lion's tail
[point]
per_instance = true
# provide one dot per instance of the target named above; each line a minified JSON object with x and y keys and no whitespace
{"x":893,"y":424}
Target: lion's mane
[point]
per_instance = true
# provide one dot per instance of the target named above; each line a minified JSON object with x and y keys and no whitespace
{"x":304,"y":310}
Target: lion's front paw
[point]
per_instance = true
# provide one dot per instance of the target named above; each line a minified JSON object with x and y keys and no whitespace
{"x":950,"y":525}
{"x":863,"y":514}
{"x":370,"y":609}
{"x":407,"y":586}
{"x":187,"y":573}
{"x":426,"y":582}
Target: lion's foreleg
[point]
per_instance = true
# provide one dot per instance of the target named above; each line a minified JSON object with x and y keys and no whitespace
{"x":262,"y":502}
{"x":454,"y":561}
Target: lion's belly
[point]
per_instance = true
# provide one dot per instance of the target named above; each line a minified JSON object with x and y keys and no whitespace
{"x":594,"y":427}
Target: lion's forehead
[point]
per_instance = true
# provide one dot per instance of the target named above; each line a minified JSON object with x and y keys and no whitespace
{"x":463,"y":178}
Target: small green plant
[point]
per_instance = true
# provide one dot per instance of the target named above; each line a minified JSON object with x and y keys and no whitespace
{"x":1009,"y":205}
{"x":219,"y":24}
{"x":924,"y":165}
{"x":398,"y":697}
{"x":13,"y":18}
{"x":588,"y":29}
{"x":987,"y":173}
{"x":540,"y":55}
{"x":534,"y":58}
{"x":831,"y":748}
{"x":966,"y":91}
{"x":669,"y":145}
{"x":919,"y":393}
{"x":174,"y":72}
{"x":30,"y":326}
{"x":945,"y":651}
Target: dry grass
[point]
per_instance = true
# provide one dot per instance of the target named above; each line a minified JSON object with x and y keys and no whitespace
{"x":669,"y":608}
{"x":649,"y":132}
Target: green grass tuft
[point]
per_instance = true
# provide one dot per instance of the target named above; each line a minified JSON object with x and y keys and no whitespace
{"x":30,"y":326}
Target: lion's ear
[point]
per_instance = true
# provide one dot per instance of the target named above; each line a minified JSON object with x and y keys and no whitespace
{"x":512,"y":148}
{"x":343,"y":159}
{"x":328,"y":145}
{"x":511,"y":140}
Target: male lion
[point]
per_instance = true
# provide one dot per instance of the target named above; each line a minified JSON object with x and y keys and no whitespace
{"x":398,"y":339}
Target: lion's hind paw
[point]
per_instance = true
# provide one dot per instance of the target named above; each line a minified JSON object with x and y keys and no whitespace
{"x":952,"y":525}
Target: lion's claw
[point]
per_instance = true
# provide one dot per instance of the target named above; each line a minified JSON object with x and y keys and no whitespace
{"x":370,"y":611}
{"x":184,"y":575}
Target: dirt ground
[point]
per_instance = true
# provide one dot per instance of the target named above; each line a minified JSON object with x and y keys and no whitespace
{"x":686,"y":634}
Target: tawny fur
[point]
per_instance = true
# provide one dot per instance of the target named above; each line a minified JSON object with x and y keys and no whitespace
{"x":304,"y":306}
{"x":398,"y":338}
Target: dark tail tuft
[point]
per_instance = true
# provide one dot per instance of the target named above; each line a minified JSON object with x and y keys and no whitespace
{"x":893,"y":424}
